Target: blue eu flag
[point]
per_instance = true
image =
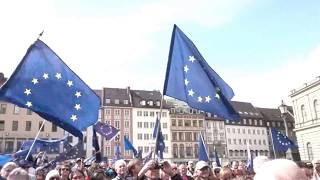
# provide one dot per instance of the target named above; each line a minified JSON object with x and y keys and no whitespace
{"x":189,"y":78}
{"x":203,"y":155}
{"x":281,"y":142}
{"x":157,"y":133}
{"x":129,"y":147}
{"x":106,"y":130}
{"x":43,"y":83}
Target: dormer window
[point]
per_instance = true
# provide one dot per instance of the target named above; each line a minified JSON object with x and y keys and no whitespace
{"x":125,"y":101}
{"x":108,"y":101}
{"x":158,"y":103}
{"x":150,"y":103}
{"x":143,"y":102}
{"x":116,"y":101}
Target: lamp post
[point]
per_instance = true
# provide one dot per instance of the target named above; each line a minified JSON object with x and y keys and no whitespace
{"x":284,"y":111}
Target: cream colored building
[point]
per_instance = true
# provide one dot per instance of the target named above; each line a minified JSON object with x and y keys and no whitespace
{"x":306,"y":107}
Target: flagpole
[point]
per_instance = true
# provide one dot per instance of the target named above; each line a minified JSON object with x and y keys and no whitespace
{"x":35,"y":139}
{"x":160,"y":114}
{"x":274,"y":152}
{"x":205,"y":147}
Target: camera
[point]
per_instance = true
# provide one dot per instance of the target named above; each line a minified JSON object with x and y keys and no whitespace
{"x":158,"y":166}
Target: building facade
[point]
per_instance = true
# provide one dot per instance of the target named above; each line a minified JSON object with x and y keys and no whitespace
{"x":250,"y":131}
{"x":306,"y":108}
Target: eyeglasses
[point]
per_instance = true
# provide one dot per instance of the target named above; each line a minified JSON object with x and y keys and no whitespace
{"x":64,"y":169}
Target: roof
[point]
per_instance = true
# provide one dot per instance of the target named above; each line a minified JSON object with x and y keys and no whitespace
{"x":116,"y":94}
{"x":270,"y":114}
{"x":147,"y":99}
{"x":246,"y":109}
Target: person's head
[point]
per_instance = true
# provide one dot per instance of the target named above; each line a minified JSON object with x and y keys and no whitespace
{"x":280,"y":169}
{"x":154,"y":171}
{"x":103,"y":165}
{"x":40,"y":173}
{"x":98,"y":175}
{"x":7,"y":168}
{"x":77,"y":175}
{"x":307,"y":168}
{"x":64,"y":170}
{"x":121,"y":167}
{"x":134,"y":166}
{"x":225,"y":173}
{"x":258,"y":162}
{"x":234,"y":165}
{"x":53,"y":175}
{"x":202,"y":169}
{"x":164,"y":176}
{"x":190,"y":164}
{"x":18,"y":173}
{"x":174,"y":168}
{"x":316,"y":165}
{"x":182,"y":169}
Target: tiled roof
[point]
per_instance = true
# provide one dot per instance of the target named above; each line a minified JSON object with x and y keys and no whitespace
{"x":116,"y":94}
{"x":246,"y":109}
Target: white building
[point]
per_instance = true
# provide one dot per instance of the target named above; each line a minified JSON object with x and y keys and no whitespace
{"x":306,"y":107}
{"x":146,"y":108}
{"x":250,"y":130}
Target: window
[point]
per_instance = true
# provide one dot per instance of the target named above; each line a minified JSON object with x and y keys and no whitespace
{"x":126,"y":124}
{"x":150,"y":103}
{"x":228,"y":130}
{"x":253,"y":131}
{"x":139,"y":124}
{"x":139,"y":113}
{"x":164,"y":114}
{"x":244,"y":141}
{"x":258,"y":131}
{"x":146,"y":125}
{"x":264,"y":142}
{"x":194,"y":123}
{"x":117,"y":124}
{"x":173,"y":122}
{"x":200,"y":123}
{"x":249,"y":131}
{"x":165,"y":125}
{"x":238,"y":131}
{"x":233,"y":130}
{"x":234,"y":141}
{"x":255,"y":122}
{"x":70,"y":139}
{"x":244,"y":121}
{"x":187,"y":123}
{"x":146,"y":136}
{"x":139,"y":136}
{"x":243,"y":131}
{"x":158,"y":103}
{"x":108,"y":112}
{"x":116,"y":101}
{"x":179,"y":122}
{"x":14,"y":125}
{"x":125,"y":102}
{"x":240,"y":142}
{"x":268,"y":123}
{"x":309,"y":151}
{"x":145,"y":113}
{"x":230,"y":153}
{"x":259,"y":142}
{"x":316,"y":106}
{"x":54,"y":128}
{"x":303,"y":113}
{"x":1,"y":125}
{"x":108,"y":101}
{"x":8,"y":147}
{"x":42,"y":129}
{"x":255,"y":142}
{"x":229,"y":141}
{"x":3,"y":108}
{"x":146,"y":149}
{"x":181,"y":138}
{"x":260,"y":122}
{"x":250,"y":121}
{"x":16,"y":109}
{"x":152,"y":124}
{"x":262,"y":132}
{"x":127,"y":112}
{"x":188,"y":136}
{"x":29,"y":112}
{"x":117,"y":112}
{"x":152,"y":114}
{"x":174,"y":136}
{"x":250,"y":141}
{"x":28,"y":125}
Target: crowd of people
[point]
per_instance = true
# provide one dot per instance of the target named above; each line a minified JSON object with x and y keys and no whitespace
{"x":264,"y":169}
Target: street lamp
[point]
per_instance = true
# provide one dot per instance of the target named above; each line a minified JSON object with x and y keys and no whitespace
{"x":284,"y":111}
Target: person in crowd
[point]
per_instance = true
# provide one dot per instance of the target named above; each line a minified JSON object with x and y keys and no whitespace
{"x":64,"y":171}
{"x":77,"y":175}
{"x":40,"y":173}
{"x":316,"y":171}
{"x":280,"y":169}
{"x":202,"y":171}
{"x":234,"y":168}
{"x":150,"y":171}
{"x":183,"y":172}
{"x":27,"y":165}
{"x":258,"y":162}
{"x":134,"y":166}
{"x":99,"y":175}
{"x":6,"y":169}
{"x":121,"y":170}
{"x":18,"y":174}
{"x":225,"y":173}
{"x":308,"y":171}
{"x":190,"y":168}
{"x":53,"y":175}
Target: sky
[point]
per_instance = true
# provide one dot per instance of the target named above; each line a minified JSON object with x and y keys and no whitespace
{"x":262,"y":49}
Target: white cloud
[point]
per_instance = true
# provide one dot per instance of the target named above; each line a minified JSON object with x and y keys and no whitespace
{"x":267,"y":89}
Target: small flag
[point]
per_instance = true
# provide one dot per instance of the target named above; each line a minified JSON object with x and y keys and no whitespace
{"x":160,"y":145}
{"x":129,"y":147}
{"x":189,"y":78}
{"x":43,"y":83}
{"x":72,"y":153}
{"x":217,"y":157}
{"x":106,"y":130}
{"x":281,"y":142}
{"x":95,"y":144}
{"x":203,"y":155}
{"x":249,"y":160}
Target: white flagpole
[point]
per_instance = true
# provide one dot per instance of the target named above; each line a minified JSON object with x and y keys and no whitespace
{"x":35,"y":139}
{"x":274,"y":152}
